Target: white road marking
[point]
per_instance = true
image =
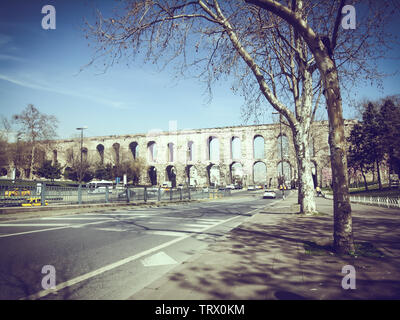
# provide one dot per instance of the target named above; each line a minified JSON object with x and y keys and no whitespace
{"x":119,"y":263}
{"x":167,"y":233}
{"x":112,"y":229}
{"x":158,"y":259}
{"x":33,"y":224}
{"x":51,"y":229}
{"x":77,"y":218}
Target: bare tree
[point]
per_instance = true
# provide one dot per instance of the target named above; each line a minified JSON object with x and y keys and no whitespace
{"x":354,"y":53}
{"x":209,"y":41}
{"x":212,"y":39}
{"x":35,"y":127}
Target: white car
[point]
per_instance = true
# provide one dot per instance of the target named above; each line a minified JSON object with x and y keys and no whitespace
{"x":230,"y":186}
{"x":269,"y":194}
{"x":251,"y":187}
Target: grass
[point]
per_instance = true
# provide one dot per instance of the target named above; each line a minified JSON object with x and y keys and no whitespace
{"x":363,"y":249}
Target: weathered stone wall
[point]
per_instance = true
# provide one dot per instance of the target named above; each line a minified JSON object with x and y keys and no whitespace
{"x":200,"y":150}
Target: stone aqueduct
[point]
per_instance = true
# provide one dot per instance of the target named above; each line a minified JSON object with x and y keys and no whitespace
{"x":203,"y":156}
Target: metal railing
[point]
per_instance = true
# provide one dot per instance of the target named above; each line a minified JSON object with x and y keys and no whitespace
{"x":16,"y":195}
{"x":387,"y":202}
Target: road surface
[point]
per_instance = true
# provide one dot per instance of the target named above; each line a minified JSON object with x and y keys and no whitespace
{"x":111,"y":254}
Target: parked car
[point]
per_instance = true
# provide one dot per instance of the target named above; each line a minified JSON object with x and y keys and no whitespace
{"x":238,"y":187}
{"x":269,"y":194}
{"x":251,"y":188}
{"x":230,"y":186}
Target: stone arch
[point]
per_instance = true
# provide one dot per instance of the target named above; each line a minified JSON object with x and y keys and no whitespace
{"x":213,"y":148}
{"x":116,"y":148}
{"x":190,"y":151}
{"x":152,"y":175}
{"x":192,"y":175}
{"x":236,"y":173}
{"x":259,"y":172}
{"x":170,"y":151}
{"x":100,"y":150}
{"x":284,"y":171}
{"x":84,"y":154}
{"x":54,"y":156}
{"x":213,"y":174}
{"x":258,"y":147}
{"x":283,"y":146}
{"x":133,"y":147}
{"x":236,"y":152}
{"x":152,"y":151}
{"x":171,"y":175}
{"x":3,"y":172}
{"x":312,"y":147}
{"x":314,"y":172}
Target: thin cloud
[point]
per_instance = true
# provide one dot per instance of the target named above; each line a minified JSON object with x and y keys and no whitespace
{"x":11,"y":58}
{"x":31,"y":85}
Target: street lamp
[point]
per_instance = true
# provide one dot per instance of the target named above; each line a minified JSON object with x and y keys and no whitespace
{"x":80,"y":171}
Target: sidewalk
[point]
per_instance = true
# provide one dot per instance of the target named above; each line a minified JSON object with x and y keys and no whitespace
{"x":264,"y":258}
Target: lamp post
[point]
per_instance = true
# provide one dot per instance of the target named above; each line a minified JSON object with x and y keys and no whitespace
{"x":80,"y":170}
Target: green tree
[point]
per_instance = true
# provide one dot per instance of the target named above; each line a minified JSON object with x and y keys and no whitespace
{"x":358,"y":157}
{"x":48,"y":170}
{"x":390,"y":124}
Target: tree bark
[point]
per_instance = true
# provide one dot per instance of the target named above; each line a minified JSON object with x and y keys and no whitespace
{"x":306,"y":184}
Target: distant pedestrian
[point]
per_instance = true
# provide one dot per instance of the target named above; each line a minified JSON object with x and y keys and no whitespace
{"x":318,"y":189}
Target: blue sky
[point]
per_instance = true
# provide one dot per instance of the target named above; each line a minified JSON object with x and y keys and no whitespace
{"x":42,"y":67}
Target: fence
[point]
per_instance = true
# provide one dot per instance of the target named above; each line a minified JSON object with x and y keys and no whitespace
{"x":16,"y":195}
{"x":376,"y":201}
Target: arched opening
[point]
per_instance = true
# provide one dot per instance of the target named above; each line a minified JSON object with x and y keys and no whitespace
{"x":84,"y":154}
{"x":152,"y":175}
{"x":190,"y":151}
{"x":3,"y":172}
{"x":152,"y":151}
{"x":312,"y":147}
{"x":100,"y":150}
{"x":283,"y":147}
{"x":258,"y":147}
{"x":170,"y":152}
{"x":284,"y":173}
{"x":236,"y":148}
{"x":213,"y":149}
{"x":236,"y":170}
{"x":260,"y":173}
{"x":116,"y":148}
{"x":54,"y":157}
{"x":171,"y":175}
{"x":314,"y":173}
{"x":192,"y":175}
{"x":133,"y":147}
{"x":214,"y":176}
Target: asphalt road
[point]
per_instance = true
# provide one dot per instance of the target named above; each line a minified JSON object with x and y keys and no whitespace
{"x":111,"y":254}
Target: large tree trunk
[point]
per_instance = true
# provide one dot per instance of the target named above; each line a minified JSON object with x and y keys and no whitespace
{"x":306,"y":183}
{"x":343,"y":230}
